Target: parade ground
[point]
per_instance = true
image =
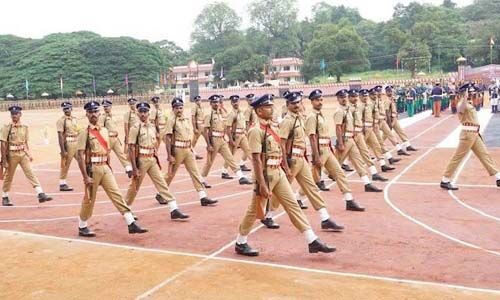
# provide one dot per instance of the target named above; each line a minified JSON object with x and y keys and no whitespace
{"x":414,"y":241}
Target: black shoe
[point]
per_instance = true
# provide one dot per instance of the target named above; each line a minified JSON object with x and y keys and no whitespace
{"x":206,"y":185}
{"x":301,"y":204}
{"x":402,"y":152}
{"x":449,"y":186}
{"x":160,"y":199}
{"x":205,"y":201}
{"x":387,"y":168}
{"x":329,"y":224}
{"x":197,"y":157}
{"x":318,"y":246}
{"x":269,"y":222}
{"x":244,"y":168}
{"x":43,"y":198}
{"x":135,"y":228}
{"x":353,"y":206}
{"x":129,"y":174}
{"x":244,"y":180}
{"x":410,"y":148}
{"x":371,"y":188}
{"x":245,"y":249}
{"x":226,"y":176}
{"x":331,"y":177}
{"x":65,"y":188}
{"x":86,"y":232}
{"x":178,"y":215}
{"x":377,"y":177}
{"x":135,"y":217}
{"x":6,"y":201}
{"x":498,"y":182}
{"x":346,"y":168}
{"x":321,"y":185}
{"x":394,"y":160}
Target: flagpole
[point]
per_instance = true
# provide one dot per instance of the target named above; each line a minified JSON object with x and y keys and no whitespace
{"x":27,"y":89}
{"x":62,"y":88}
{"x":93,"y":85}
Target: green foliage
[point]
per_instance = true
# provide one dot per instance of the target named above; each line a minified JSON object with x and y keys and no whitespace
{"x":414,"y":56}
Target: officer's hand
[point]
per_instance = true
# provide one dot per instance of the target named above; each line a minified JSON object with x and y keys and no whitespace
{"x":289,"y":175}
{"x":64,"y":154}
{"x":375,"y":127}
{"x":340,"y":147}
{"x":196,"y":131}
{"x":264,"y":191}
{"x":210,"y":148}
{"x":5,"y":164}
{"x":231,"y":142}
{"x":88,"y":180}
{"x":171,"y":159}
{"x":136,"y":173}
{"x":317,"y":162}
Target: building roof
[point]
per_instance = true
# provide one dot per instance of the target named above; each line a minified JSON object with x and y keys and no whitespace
{"x":286,"y":61}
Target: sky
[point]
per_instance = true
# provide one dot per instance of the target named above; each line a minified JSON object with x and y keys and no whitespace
{"x":153,"y":20}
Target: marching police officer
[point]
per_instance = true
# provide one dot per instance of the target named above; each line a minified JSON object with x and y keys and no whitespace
{"x":142,"y":143}
{"x":393,"y":112}
{"x":93,"y":161}
{"x":179,"y":134}
{"x":236,"y":132}
{"x":250,"y":115}
{"x":215,"y":125}
{"x":67,"y":133}
{"x":271,"y":180}
{"x":15,"y":151}
{"x":470,"y":139}
{"x":197,"y":119}
{"x":107,"y":120}
{"x":129,"y":119}
{"x":158,"y":118}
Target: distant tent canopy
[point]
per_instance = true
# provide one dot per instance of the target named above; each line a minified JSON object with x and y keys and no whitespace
{"x":45,"y":94}
{"x":78,"y":93}
{"x":10,"y":96}
{"x":110,"y":92}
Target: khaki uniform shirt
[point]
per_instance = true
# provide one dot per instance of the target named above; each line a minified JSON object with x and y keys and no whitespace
{"x":106,"y":120}
{"x":131,"y":118}
{"x":236,"y":116}
{"x":370,"y":111}
{"x":18,"y":136}
{"x":256,"y":138}
{"x":218,"y":121}
{"x":311,"y":125}
{"x":143,"y":134}
{"x":199,"y":115}
{"x":70,"y":127}
{"x":183,"y":128}
{"x":287,"y":126}
{"x":343,"y":114}
{"x":162,"y":119}
{"x":250,"y":116}
{"x":95,"y":146}
{"x":357,"y":114}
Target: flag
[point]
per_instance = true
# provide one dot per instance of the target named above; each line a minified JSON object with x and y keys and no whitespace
{"x":27,"y":85}
{"x":93,"y":83}
{"x":221,"y":72}
{"x":322,"y":64}
{"x":61,"y":83}
{"x":213,"y":61}
{"x":126,"y":79}
{"x":158,"y":78}
{"x":492,"y":42}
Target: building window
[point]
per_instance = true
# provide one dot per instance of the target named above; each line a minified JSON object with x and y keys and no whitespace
{"x":184,"y":86}
{"x":207,"y":74}
{"x":286,"y":68}
{"x":287,"y":79}
{"x":184,"y":75}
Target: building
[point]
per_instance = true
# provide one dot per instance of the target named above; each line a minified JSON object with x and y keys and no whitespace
{"x":285,"y":70}
{"x":182,"y":75}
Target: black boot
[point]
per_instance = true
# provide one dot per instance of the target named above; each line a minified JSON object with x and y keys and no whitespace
{"x":269,"y":222}
{"x":329,"y":224}
{"x":353,"y":206}
{"x":498,"y":182}
{"x":226,"y":176}
{"x":371,"y":188}
{"x":346,"y":168}
{"x":394,"y":160}
{"x":377,"y":177}
{"x":160,"y":199}
{"x":318,"y":246}
{"x":176,"y":214}
{"x":65,"y":188}
{"x":449,"y":186}
{"x":135,"y":228}
{"x":205,"y":201}
{"x":85,"y":232}
{"x":244,"y":180}
{"x":43,"y":198}
{"x":246,"y":250}
{"x":206,"y":185}
{"x":385,"y":168}
{"x":301,"y":204}
{"x":6,"y":201}
{"x":244,"y":168}
{"x":321,"y":185}
{"x":402,"y":152}
{"x":410,"y":148}
{"x":197,"y":157}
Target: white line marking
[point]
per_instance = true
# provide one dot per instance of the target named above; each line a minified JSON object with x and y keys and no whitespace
{"x":488,"y":186}
{"x":256,"y":263}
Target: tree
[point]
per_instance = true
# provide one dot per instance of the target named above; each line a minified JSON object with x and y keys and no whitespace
{"x":342,"y":49}
{"x":449,"y":4}
{"x":326,"y":13}
{"x":278,"y":20}
{"x":414,"y":55}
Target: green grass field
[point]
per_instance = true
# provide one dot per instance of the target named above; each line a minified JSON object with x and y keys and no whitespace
{"x":373,"y":75}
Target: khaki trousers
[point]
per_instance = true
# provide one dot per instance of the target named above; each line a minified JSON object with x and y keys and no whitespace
{"x":220,"y":146}
{"x":351,"y":151}
{"x":23,"y":160}
{"x":241,"y":142}
{"x":196,"y":136}
{"x":372,"y":142}
{"x":400,"y":132}
{"x":470,"y":141}
{"x":282,"y":192}
{"x":71,"y":149}
{"x":185,"y":156}
{"x":102,"y":176}
{"x":380,"y":139}
{"x":148,"y":165}
{"x":116,"y":146}
{"x":331,"y":164}
{"x":359,"y":139}
{"x":387,"y":133}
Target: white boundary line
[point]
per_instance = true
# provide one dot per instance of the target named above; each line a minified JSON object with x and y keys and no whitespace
{"x":256,"y":263}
